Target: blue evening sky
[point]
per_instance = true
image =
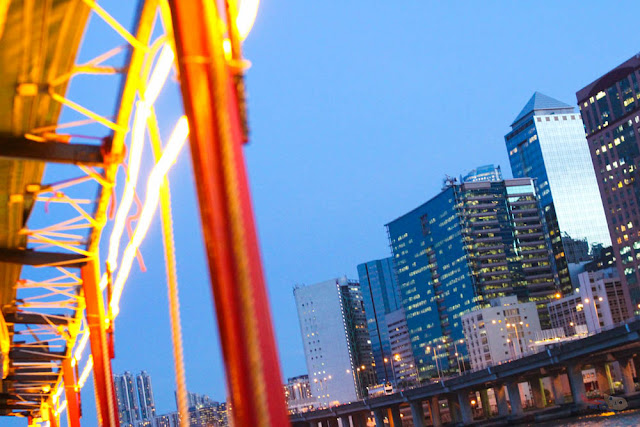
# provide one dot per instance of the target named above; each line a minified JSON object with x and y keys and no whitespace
{"x":357,"y":111}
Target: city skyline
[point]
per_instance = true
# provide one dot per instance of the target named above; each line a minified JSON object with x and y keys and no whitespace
{"x":345,"y":121}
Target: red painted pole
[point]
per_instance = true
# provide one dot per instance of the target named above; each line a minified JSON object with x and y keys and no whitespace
{"x":244,"y":319}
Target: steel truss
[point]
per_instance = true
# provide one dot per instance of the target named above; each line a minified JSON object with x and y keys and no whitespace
{"x":63,"y":298}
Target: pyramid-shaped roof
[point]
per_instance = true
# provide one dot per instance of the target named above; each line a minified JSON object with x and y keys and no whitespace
{"x":540,"y":101}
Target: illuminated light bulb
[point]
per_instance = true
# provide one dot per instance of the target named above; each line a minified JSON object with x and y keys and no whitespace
{"x":156,"y":178}
{"x":226,"y":47}
{"x":247,"y":13}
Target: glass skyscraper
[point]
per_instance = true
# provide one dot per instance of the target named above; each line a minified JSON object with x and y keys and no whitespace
{"x":471,"y":243}
{"x":483,"y":173}
{"x":381,"y":296}
{"x":610,"y":108}
{"x":547,"y":143}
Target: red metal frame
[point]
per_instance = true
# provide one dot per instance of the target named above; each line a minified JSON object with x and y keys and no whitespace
{"x":216,"y":136}
{"x":106,"y":404}
{"x":71,"y":393}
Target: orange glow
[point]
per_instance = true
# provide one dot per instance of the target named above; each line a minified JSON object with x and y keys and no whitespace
{"x":558,"y":296}
{"x":247,"y":12}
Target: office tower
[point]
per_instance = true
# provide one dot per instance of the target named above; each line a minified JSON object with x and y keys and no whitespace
{"x":145,"y":396}
{"x":483,"y":173}
{"x":404,"y":368}
{"x":128,"y":409}
{"x":297,"y":391}
{"x":547,"y":143}
{"x":600,"y":301}
{"x":335,"y":339}
{"x":611,"y":115}
{"x":504,"y":331}
{"x":472,"y":242}
{"x":381,"y":296}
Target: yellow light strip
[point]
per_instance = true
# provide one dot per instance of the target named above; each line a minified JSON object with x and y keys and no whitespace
{"x":77,"y":355}
{"x":85,"y":372}
{"x":176,"y":142}
{"x":62,"y":407}
{"x":156,"y":82}
{"x":135,"y":158}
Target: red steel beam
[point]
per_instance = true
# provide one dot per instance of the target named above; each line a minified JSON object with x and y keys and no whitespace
{"x":106,"y":404}
{"x":71,"y":393}
{"x":244,"y":319}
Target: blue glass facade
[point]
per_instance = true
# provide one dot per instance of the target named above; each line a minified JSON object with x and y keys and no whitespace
{"x":435,"y":282}
{"x":471,"y":243}
{"x":483,"y":173}
{"x":547,"y":143}
{"x":381,"y":296}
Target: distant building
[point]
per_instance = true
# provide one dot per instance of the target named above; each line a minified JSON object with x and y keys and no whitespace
{"x":381,"y":296}
{"x":501,"y":332}
{"x":128,"y":408}
{"x":547,"y":143}
{"x":600,"y":301}
{"x":405,"y":371}
{"x":610,"y":108}
{"x":483,"y":173}
{"x":213,"y":414}
{"x":297,"y":391}
{"x":145,"y":396}
{"x":469,"y":244}
{"x":336,"y":340}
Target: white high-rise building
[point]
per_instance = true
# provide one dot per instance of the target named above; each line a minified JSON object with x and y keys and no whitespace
{"x":600,"y":301}
{"x":336,"y":340}
{"x":128,"y":410}
{"x":504,"y":331}
{"x":145,"y":396}
{"x":405,"y":371}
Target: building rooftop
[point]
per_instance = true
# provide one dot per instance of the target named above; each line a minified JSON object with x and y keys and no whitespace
{"x":540,"y":101}
{"x":609,"y":79}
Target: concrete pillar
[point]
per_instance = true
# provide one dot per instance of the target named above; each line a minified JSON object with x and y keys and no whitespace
{"x":417,"y":413}
{"x":466,"y":413}
{"x":603,"y":378}
{"x":514,"y":398}
{"x":538,"y":394}
{"x":396,"y":419}
{"x":378,"y":414}
{"x":454,"y":410}
{"x":486,"y":406}
{"x":501,"y":398}
{"x":332,"y":422}
{"x":344,"y":421}
{"x":434,"y":411}
{"x":627,"y":376}
{"x":359,"y":419}
{"x":574,"y":373}
{"x":557,"y":389}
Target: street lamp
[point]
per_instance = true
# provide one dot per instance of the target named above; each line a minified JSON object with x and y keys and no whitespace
{"x":515,"y":327}
{"x":455,"y":346}
{"x":435,"y":359}
{"x":393,"y":371}
{"x":595,"y":308}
